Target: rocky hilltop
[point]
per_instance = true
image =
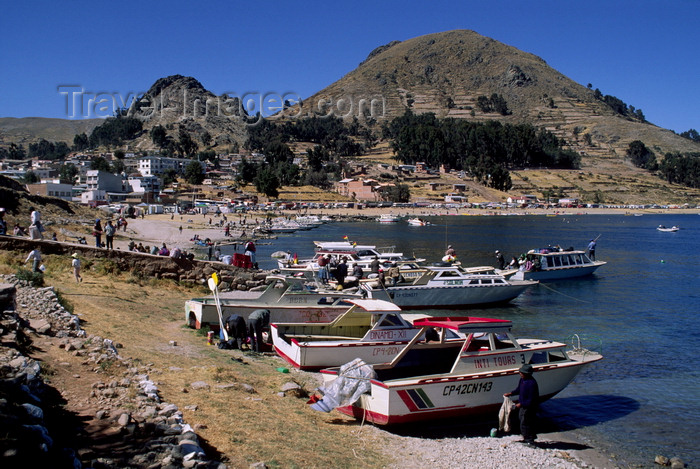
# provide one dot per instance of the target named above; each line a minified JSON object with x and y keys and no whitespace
{"x":446,"y":73}
{"x":177,"y":101}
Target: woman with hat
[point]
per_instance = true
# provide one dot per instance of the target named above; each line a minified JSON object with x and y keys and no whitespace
{"x":529,"y":398}
{"x":76,"y":267}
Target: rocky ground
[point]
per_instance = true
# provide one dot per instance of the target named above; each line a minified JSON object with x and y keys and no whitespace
{"x":68,"y":399}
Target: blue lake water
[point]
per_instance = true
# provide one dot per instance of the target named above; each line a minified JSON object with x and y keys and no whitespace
{"x":643,"y":399}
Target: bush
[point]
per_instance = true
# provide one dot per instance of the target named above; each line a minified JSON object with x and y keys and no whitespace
{"x":35,"y":278}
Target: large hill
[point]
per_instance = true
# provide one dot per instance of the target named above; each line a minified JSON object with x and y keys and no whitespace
{"x":446,"y":73}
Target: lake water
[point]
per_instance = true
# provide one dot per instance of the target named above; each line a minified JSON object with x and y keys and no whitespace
{"x":643,"y":399}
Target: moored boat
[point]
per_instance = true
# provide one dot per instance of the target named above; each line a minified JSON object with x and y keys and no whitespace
{"x":449,"y":287}
{"x":555,"y":264}
{"x":372,"y":330}
{"x":288,"y":299}
{"x":388,"y":218}
{"x":436,"y":380}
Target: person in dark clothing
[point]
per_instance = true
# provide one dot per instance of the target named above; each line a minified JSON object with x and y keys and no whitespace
{"x":528,"y":403}
{"x":257,"y":321}
{"x":341,"y":272}
{"x":500,"y":260}
{"x":374,"y":265}
{"x":236,"y":330}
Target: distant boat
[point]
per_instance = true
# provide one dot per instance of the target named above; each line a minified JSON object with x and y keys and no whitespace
{"x":388,"y":218}
{"x":418,"y":222}
{"x":670,"y":230}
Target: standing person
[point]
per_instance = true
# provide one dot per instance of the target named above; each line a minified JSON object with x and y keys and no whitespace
{"x":374,"y":265}
{"x":209,"y":253}
{"x":341,"y":271}
{"x":36,"y":221}
{"x":529,"y":398}
{"x":3,"y":223}
{"x":500,"y":260}
{"x":36,"y":256}
{"x":250,"y":252}
{"x":394,"y":274}
{"x":591,"y":250}
{"x":75,"y":263}
{"x":97,"y":233}
{"x":257,"y":321}
{"x":109,"y":234}
{"x":323,"y":262}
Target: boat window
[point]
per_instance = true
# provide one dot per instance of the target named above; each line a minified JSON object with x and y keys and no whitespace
{"x":479,"y":345}
{"x":564,"y":260}
{"x":473,"y":282}
{"x":538,"y":357}
{"x":557,"y":356}
{"x":498,"y":280}
{"x":326,"y":300}
{"x":543,"y":261}
{"x":391,"y":320}
{"x":556,"y":261}
{"x":502,"y":344}
{"x":486,"y":281}
{"x":448,"y":273}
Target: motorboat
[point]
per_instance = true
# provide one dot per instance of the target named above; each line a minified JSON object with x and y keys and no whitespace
{"x":289,"y":299}
{"x":388,"y":218}
{"x":554,"y":264}
{"x":668,"y":230}
{"x":418,"y":222}
{"x":372,"y":330}
{"x":352,"y":252}
{"x":441,"y":379}
{"x":449,"y":286}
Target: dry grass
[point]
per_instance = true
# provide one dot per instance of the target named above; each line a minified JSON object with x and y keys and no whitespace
{"x":145,"y":315}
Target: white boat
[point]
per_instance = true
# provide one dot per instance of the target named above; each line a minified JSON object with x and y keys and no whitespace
{"x":388,"y":218}
{"x":450,"y":287}
{"x":437,"y":380}
{"x":372,"y":330}
{"x":669,"y":230}
{"x":418,"y":222}
{"x":288,"y":299}
{"x":354,"y":253}
{"x":555,"y":264}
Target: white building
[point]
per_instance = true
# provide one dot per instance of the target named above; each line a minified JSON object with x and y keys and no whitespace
{"x":145,"y":184}
{"x":157,"y":165}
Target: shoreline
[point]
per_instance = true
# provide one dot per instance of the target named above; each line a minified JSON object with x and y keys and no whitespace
{"x":164,"y":228}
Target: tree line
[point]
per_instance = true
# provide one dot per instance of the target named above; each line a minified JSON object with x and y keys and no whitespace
{"x":676,"y":168}
{"x":486,"y":150}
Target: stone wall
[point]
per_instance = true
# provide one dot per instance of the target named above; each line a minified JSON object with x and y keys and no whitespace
{"x":145,"y":265}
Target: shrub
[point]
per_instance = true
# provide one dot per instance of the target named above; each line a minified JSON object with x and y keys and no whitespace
{"x":35,"y":278}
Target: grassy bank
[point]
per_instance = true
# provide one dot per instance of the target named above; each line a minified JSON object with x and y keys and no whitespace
{"x":145,"y":315}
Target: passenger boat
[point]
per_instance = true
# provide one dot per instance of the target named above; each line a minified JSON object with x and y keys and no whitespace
{"x":418,"y":222}
{"x":388,"y":218}
{"x":372,"y":330}
{"x":668,"y":230}
{"x":555,"y":264}
{"x":449,"y":287}
{"x":288,"y":299}
{"x":436,"y":380}
{"x":354,"y":253}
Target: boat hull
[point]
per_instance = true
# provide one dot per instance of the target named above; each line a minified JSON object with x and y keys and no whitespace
{"x":558,"y":273}
{"x":433,"y":398}
{"x":432,"y":297}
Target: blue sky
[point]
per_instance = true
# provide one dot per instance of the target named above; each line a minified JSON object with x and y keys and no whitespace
{"x":643,"y":52}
